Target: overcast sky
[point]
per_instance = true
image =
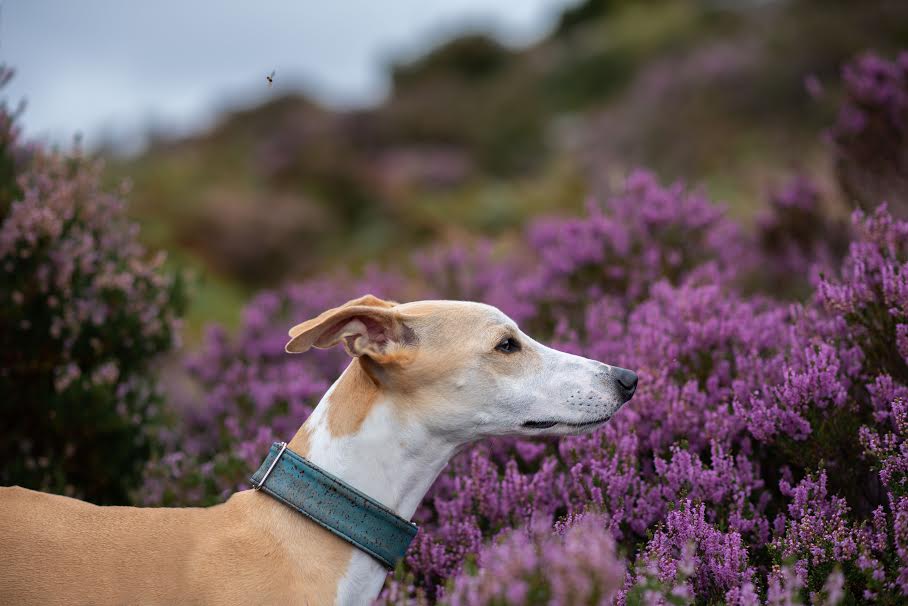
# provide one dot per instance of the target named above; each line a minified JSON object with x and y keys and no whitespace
{"x":115,"y":67}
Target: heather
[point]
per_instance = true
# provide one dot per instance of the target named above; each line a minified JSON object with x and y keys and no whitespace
{"x":868,"y":136}
{"x":85,"y":310}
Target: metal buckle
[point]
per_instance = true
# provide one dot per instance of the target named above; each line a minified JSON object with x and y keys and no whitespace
{"x":270,"y":467}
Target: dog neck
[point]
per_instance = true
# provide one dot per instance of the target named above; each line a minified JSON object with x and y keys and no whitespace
{"x":357,"y":433}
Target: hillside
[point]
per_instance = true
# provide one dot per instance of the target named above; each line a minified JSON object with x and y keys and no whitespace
{"x":476,"y":137}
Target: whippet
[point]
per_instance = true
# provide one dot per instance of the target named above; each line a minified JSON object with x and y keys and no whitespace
{"x":426,"y":379}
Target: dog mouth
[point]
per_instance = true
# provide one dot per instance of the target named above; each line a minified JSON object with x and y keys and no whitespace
{"x":548,"y":424}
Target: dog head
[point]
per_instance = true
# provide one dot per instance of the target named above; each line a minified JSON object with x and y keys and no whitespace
{"x":465,"y":370}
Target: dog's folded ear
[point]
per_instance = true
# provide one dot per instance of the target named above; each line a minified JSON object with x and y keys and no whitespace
{"x":366,"y":326}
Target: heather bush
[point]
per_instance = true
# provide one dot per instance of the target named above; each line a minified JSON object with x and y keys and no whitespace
{"x":645,"y":234}
{"x":872,"y":293}
{"x":797,"y":237}
{"x":870,"y":135}
{"x":83,"y":312}
{"x":575,"y":564}
{"x":712,"y":562}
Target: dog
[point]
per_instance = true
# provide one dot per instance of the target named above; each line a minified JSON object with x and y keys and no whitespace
{"x":426,"y":379}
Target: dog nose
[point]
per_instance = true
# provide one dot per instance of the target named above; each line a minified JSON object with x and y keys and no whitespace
{"x":627,"y":379}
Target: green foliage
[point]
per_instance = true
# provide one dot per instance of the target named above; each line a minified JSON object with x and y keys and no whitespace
{"x":471,"y":57}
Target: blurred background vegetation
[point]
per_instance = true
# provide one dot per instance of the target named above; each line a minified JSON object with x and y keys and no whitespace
{"x":475,"y":138}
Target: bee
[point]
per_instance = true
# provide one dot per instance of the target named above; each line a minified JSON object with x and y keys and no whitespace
{"x":270,"y":79}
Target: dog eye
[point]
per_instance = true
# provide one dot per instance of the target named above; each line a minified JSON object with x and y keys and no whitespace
{"x":509,"y":345}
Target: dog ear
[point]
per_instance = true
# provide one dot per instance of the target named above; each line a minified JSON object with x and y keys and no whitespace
{"x":367,"y":326}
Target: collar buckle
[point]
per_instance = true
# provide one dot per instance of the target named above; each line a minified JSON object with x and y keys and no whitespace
{"x":261,"y":482}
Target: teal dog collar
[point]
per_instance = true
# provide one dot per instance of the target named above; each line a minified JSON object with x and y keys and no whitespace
{"x":334,"y":504}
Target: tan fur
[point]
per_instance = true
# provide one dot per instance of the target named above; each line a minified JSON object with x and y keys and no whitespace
{"x":351,"y":400}
{"x":453,"y":336}
{"x":249,"y":550}
{"x":301,"y":441}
